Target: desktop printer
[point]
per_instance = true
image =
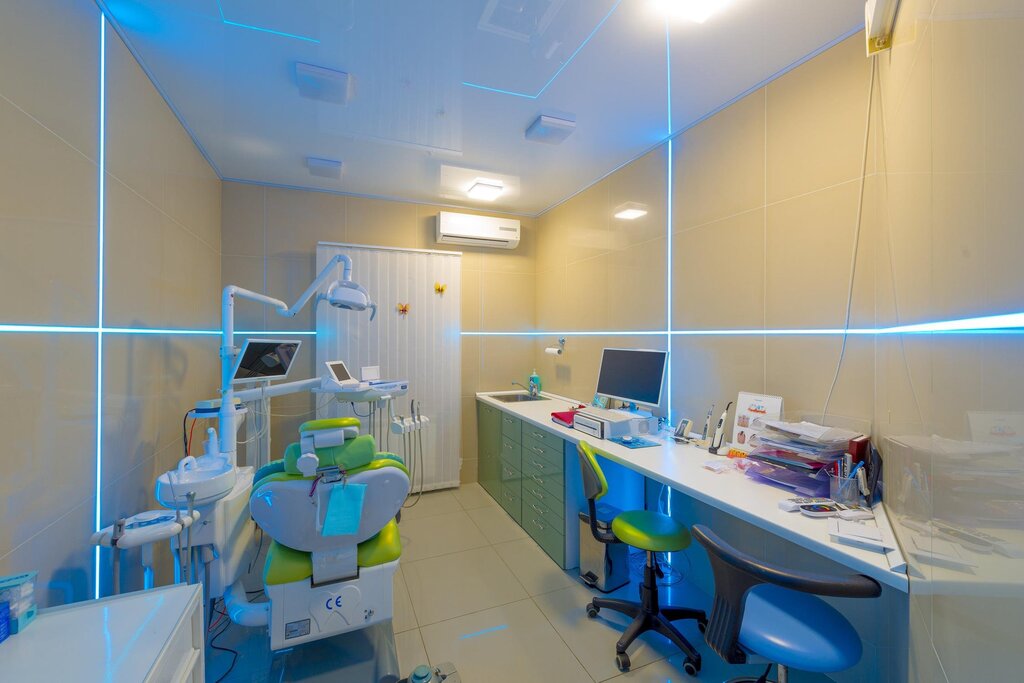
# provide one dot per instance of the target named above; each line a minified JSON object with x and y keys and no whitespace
{"x":601,"y":423}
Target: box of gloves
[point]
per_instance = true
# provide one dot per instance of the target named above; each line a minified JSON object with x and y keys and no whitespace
{"x":18,"y":592}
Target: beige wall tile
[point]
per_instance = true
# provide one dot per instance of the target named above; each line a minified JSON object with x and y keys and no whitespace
{"x":49,"y":68}
{"x":809,"y":248}
{"x":708,"y":370}
{"x":636,"y":291}
{"x":48,"y":388}
{"x":552,"y":239}
{"x":643,"y":182}
{"x":553,"y":292}
{"x":287,"y":279}
{"x":470,"y":365}
{"x":718,"y":274}
{"x":903,"y":269}
{"x":800,"y":369}
{"x":816,"y":117}
{"x":585,"y":222}
{"x":134,"y":264}
{"x":504,"y":360}
{"x":243,"y":226}
{"x":381,"y":223}
{"x":297,"y":220}
{"x":472,"y":286}
{"x":958,"y":81}
{"x":247,"y":272}
{"x":507,"y":301}
{"x":719,"y":166}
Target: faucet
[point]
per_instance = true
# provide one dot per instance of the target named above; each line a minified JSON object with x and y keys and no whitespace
{"x":532,"y":389}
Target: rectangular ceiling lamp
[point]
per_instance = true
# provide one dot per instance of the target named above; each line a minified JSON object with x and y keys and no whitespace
{"x":630,"y":211}
{"x":323,"y":168}
{"x":879,"y":22}
{"x":321,"y":83}
{"x":485,"y":191}
{"x":550,"y":130}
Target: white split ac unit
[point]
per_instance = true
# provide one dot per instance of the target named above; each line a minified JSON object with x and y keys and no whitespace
{"x":477,"y":231}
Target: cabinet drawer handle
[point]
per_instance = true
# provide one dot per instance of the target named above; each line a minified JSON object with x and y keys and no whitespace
{"x":508,"y":420}
{"x":537,"y":479}
{"x":539,"y":525}
{"x":508,"y":496}
{"x":537,"y":436}
{"x":536,"y":509}
{"x":508,"y":446}
{"x":537,"y":493}
{"x":509,"y":473}
{"x":537,"y":450}
{"x":538,"y":465}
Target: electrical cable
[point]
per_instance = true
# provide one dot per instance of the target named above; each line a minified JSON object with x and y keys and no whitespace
{"x":214,"y":646}
{"x":856,"y":239}
{"x":184,"y":432}
{"x":188,"y":447}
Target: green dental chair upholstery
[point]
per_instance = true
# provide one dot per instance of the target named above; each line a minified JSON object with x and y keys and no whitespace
{"x":353,"y":457}
{"x":653,"y":533}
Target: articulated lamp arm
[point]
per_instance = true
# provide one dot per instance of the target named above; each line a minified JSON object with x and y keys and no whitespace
{"x":323,"y":277}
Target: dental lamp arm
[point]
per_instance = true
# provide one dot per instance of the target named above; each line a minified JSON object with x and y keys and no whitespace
{"x":323,"y":277}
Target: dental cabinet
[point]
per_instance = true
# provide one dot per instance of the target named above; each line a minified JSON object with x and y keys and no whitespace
{"x":152,"y":635}
{"x":525,"y":469}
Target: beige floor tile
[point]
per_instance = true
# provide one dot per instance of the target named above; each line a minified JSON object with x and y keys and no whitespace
{"x":535,"y":570}
{"x":410,"y":651}
{"x":472,"y":496}
{"x":495,"y":524}
{"x":404,"y":618}
{"x":513,"y":643}
{"x":431,"y":504}
{"x":439,"y":535}
{"x":593,"y":640}
{"x":458,"y":584}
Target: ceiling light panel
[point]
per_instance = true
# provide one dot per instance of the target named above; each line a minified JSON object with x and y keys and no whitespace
{"x":630,"y":211}
{"x":485,"y":190}
{"x":550,"y":129}
{"x":697,"y":11}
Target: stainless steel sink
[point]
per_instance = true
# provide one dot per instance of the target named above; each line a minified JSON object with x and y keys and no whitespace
{"x":518,"y":398}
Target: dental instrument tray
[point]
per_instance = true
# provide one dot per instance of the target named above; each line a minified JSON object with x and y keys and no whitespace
{"x":634,"y":441}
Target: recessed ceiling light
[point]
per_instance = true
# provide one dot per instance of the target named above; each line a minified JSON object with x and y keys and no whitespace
{"x":325,"y":168}
{"x":485,"y":190}
{"x":630,"y":211}
{"x":697,"y":11}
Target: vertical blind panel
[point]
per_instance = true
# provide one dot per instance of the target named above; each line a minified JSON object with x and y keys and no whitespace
{"x":423,"y":346}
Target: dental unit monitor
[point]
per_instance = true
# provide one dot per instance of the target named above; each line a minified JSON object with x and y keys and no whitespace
{"x":264,"y":359}
{"x":632,"y":375}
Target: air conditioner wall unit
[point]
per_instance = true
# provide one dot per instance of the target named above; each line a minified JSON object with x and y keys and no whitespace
{"x":477,"y":231}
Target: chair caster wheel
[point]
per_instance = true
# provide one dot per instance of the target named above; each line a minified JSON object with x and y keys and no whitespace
{"x":622,"y":661}
{"x":592,"y":610}
{"x":702,"y":625}
{"x":691,"y":668}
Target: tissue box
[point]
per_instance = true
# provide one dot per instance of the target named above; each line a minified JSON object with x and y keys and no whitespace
{"x":20,"y":622}
{"x":17,"y":592}
{"x":5,"y":621}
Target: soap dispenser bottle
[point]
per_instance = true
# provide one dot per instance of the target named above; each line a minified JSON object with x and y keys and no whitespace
{"x":535,"y":383}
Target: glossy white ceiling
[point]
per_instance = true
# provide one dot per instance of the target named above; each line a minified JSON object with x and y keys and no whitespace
{"x":445,"y":89}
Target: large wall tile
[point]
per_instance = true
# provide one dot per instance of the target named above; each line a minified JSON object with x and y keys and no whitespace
{"x":49,"y":68}
{"x":296,"y":221}
{"x":381,"y":223}
{"x":718,"y":274}
{"x":243,"y":232}
{"x":800,"y":369}
{"x":507,"y":301}
{"x":816,"y":116}
{"x":809,"y":247}
{"x":48,"y":388}
{"x":720,"y":164}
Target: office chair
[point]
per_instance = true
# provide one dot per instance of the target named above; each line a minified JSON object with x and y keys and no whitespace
{"x":771,"y":612}
{"x":653,"y":533}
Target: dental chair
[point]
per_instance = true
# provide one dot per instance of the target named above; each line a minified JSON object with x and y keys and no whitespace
{"x":329,"y":505}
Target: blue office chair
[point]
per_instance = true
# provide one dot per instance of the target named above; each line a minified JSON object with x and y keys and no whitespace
{"x":772,"y":613}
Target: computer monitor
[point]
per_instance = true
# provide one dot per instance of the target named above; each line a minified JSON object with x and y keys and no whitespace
{"x":265,"y":359}
{"x":632,"y":375}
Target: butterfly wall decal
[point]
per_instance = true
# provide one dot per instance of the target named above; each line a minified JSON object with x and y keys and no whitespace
{"x":439,"y":288}
{"x":403,"y":309}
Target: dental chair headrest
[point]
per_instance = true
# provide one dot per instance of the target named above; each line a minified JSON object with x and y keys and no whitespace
{"x":352,"y":454}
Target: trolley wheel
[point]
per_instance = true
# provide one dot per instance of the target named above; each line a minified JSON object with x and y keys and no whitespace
{"x":622,"y":661}
{"x":702,"y":625}
{"x":691,"y":667}
{"x":592,"y":610}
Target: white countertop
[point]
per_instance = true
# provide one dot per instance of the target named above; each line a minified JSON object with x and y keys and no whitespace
{"x":114,"y":639}
{"x":681,"y":466}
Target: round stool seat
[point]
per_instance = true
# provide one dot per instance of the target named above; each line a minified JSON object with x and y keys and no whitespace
{"x":798,"y":630}
{"x":650,"y":531}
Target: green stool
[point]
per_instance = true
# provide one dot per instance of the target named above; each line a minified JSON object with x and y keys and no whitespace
{"x":653,"y":533}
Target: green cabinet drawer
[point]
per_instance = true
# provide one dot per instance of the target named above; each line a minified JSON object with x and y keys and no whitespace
{"x":511,"y":453}
{"x":511,"y":427}
{"x":542,"y":495}
{"x":488,"y":447}
{"x":548,"y":458}
{"x":551,"y":481}
{"x":546,"y":534}
{"x":511,"y":500}
{"x":533,"y":505}
{"x":543,"y":438}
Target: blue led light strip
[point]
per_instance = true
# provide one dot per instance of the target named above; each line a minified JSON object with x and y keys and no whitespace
{"x":101,"y":217}
{"x":668,"y":252}
{"x":557,"y":73}
{"x":236,"y":24}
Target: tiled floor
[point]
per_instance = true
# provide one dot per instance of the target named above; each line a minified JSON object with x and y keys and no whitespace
{"x":473,"y":589}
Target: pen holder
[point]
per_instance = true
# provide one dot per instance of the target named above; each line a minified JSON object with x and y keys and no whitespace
{"x":843,"y":489}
